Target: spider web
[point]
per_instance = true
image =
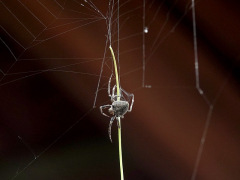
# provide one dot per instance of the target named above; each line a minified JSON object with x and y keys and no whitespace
{"x":55,"y":67}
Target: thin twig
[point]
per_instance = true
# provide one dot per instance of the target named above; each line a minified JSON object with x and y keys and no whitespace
{"x":118,"y":118}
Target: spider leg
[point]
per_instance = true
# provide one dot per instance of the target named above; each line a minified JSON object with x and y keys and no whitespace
{"x":113,"y":93}
{"x":130,"y":108}
{"x":110,"y":126}
{"x":103,"y":107}
{"x":109,"y":85}
{"x":132,"y":96}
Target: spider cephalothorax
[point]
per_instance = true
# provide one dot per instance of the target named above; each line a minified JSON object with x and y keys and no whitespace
{"x":118,"y":108}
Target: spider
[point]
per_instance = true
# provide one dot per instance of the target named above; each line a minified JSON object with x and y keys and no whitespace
{"x":118,"y":108}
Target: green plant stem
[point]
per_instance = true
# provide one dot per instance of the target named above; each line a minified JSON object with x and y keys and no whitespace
{"x":120,"y":149}
{"x":118,"y":118}
{"x":116,"y":72}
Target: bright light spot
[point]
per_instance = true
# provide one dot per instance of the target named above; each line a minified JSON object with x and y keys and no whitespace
{"x":145,"y":30}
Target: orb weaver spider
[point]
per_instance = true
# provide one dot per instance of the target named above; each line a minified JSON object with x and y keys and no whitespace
{"x":118,"y":108}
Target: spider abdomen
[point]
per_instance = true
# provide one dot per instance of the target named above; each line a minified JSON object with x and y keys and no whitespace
{"x":120,"y":108}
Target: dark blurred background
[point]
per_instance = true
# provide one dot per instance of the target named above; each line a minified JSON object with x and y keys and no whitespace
{"x":51,"y":58}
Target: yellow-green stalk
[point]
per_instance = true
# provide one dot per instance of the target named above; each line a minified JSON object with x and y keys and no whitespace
{"x":118,"y":118}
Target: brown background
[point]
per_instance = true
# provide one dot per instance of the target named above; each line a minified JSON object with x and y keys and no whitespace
{"x":51,"y":112}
